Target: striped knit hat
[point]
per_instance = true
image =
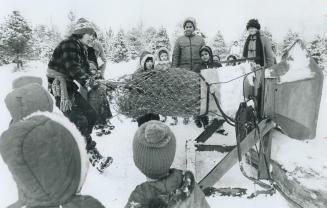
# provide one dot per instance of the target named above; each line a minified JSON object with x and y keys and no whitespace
{"x":154,"y":148}
{"x":83,"y":26}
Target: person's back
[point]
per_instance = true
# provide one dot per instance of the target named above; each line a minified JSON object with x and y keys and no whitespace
{"x":154,"y":148}
{"x":178,"y":189}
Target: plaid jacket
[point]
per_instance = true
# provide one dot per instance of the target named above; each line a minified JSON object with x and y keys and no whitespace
{"x":70,"y":59}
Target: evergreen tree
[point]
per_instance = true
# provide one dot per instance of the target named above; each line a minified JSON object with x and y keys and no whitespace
{"x":15,"y":37}
{"x":120,"y":50}
{"x":72,"y":21}
{"x":179,"y":31}
{"x":274,"y":44}
{"x":218,"y":44}
{"x":161,"y":39}
{"x":135,"y":43}
{"x":318,"y":50}
{"x":149,"y":35}
{"x":289,"y":39}
{"x":109,"y":40}
{"x":45,"y":40}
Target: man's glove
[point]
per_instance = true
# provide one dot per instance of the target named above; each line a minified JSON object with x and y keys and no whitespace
{"x":91,"y":83}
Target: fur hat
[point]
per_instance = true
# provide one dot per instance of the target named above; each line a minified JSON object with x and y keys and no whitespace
{"x":83,"y":26}
{"x":253,"y":23}
{"x":28,"y":99}
{"x":44,"y":152}
{"x":154,"y":148}
{"x":144,"y":56}
{"x":191,"y":20}
{"x":46,"y":155}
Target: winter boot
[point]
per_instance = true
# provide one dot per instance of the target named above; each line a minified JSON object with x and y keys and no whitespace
{"x":197,"y":121}
{"x":175,"y":121}
{"x":110,"y":125}
{"x":221,"y":130}
{"x":163,"y":119}
{"x":186,"y":121}
{"x":98,"y":161}
{"x":205,"y":121}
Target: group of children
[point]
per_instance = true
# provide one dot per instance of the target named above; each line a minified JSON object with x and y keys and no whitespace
{"x":53,"y":177}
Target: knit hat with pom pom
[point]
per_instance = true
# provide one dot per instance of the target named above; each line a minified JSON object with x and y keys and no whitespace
{"x":154,"y":148}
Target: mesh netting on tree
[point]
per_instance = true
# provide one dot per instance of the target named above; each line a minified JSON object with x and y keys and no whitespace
{"x":174,"y":92}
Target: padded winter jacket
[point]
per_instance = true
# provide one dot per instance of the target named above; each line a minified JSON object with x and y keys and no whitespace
{"x":186,"y":52}
{"x":177,"y":190}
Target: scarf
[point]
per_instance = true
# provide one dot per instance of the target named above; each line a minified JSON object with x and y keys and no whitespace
{"x":258,"y":48}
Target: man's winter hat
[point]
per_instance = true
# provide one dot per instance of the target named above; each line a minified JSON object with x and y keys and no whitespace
{"x":191,"y":20}
{"x":162,"y":50}
{"x":83,"y":26}
{"x":253,"y":23}
{"x":154,"y":148}
{"x":46,"y":155}
{"x":24,"y":80}
{"x":144,"y":56}
{"x":28,"y":99}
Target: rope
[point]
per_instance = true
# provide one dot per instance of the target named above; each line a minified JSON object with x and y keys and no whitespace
{"x":244,"y":75}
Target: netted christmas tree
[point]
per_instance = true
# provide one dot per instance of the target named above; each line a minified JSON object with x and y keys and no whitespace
{"x":120,"y":51}
{"x":15,"y":37}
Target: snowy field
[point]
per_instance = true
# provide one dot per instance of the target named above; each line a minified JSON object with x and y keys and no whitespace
{"x":114,"y":186}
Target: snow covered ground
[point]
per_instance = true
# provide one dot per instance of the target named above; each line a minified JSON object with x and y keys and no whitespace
{"x":114,"y":186}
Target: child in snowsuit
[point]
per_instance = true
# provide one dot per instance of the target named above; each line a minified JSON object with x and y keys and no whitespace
{"x":154,"y":148}
{"x":206,"y":63}
{"x":231,"y":57}
{"x":44,"y":151}
{"x":69,"y":63}
{"x":146,"y":64}
{"x":162,"y":61}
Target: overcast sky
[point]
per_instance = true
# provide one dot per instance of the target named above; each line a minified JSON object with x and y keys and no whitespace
{"x":308,"y":17}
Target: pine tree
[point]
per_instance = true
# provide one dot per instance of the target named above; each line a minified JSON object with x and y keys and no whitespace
{"x":318,"y":50}
{"x":161,"y":39}
{"x":45,"y":39}
{"x":120,"y":51}
{"x":289,"y":39}
{"x":72,"y":21}
{"x":149,"y":34}
{"x":109,"y":40}
{"x":15,"y":36}
{"x":135,"y":43}
{"x":179,"y":31}
{"x":218,"y":44}
{"x":274,"y":44}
